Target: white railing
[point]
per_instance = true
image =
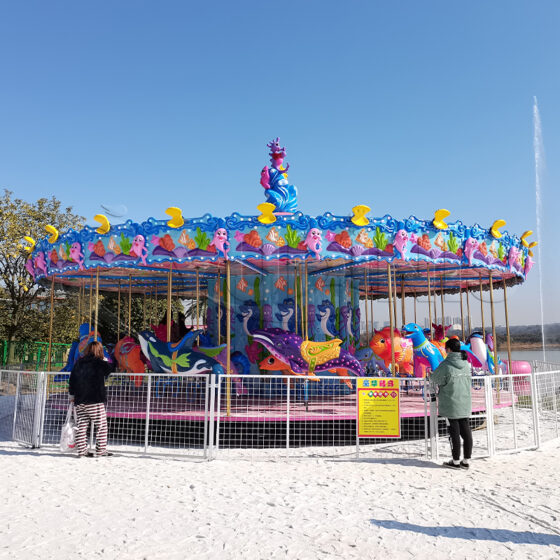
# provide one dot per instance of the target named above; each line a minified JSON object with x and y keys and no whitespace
{"x":297,"y":416}
{"x":207,"y":417}
{"x":149,"y":413}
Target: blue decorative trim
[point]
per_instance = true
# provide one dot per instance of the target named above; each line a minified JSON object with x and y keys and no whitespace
{"x":296,"y":237}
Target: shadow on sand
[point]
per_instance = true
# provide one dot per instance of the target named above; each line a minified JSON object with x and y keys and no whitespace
{"x":473,"y":533}
{"x":390,"y":461}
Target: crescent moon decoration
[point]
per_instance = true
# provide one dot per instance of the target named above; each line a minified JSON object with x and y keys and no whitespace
{"x":359,"y":217}
{"x":439,"y":217}
{"x":495,"y":227}
{"x":54,"y":233}
{"x":526,"y":234}
{"x":176,"y":217}
{"x":267,"y":216}
{"x":31,"y":242}
{"x":105,"y":225}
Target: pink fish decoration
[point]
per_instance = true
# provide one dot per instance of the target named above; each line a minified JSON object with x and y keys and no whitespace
{"x":242,"y":285}
{"x":139,"y":248}
{"x":320,"y":284}
{"x":399,"y":244}
{"x":221,"y":242}
{"x":330,"y":236}
{"x":471,"y":245}
{"x":512,"y":257}
{"x":76,"y":254}
{"x":313,"y":242}
{"x":239,"y":236}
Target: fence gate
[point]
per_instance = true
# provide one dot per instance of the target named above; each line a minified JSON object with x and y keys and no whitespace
{"x":29,"y":408}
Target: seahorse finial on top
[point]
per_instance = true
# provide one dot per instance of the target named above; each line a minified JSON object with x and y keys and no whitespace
{"x":277,"y":155}
{"x":274,"y":180}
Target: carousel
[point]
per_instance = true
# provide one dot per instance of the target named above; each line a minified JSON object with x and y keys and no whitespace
{"x":282,"y":291}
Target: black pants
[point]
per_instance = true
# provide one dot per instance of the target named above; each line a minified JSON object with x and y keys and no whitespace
{"x":460,"y":428}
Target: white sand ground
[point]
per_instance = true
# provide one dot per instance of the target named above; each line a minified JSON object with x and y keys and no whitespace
{"x":58,"y":506}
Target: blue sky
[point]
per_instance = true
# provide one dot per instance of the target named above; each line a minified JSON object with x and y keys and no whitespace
{"x":406,"y":107}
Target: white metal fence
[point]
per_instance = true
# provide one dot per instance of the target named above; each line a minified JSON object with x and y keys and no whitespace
{"x":520,"y":412}
{"x":260,"y":416}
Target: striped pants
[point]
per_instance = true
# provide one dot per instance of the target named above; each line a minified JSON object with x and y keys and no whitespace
{"x":88,"y":413}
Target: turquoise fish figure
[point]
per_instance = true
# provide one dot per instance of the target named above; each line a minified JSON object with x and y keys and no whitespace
{"x":425,"y":352}
{"x":169,"y":357}
{"x":431,"y":354}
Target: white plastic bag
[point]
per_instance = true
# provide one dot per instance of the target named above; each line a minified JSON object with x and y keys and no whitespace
{"x":68,"y":434}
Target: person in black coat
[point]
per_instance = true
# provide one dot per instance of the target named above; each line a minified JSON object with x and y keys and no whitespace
{"x":87,"y":390}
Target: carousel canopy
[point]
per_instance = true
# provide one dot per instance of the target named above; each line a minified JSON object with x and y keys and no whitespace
{"x":144,"y":256}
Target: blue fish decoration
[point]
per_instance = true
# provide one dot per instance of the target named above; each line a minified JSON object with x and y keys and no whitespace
{"x":169,"y":357}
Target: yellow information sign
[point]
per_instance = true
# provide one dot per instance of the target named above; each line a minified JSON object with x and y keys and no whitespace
{"x":378,"y":407}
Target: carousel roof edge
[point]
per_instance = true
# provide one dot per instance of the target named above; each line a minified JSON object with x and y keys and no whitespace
{"x":294,"y":236}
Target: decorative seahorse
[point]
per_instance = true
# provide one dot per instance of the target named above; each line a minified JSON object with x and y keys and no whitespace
{"x":274,"y":179}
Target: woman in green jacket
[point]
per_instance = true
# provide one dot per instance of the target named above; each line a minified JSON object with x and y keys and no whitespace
{"x":453,"y":377}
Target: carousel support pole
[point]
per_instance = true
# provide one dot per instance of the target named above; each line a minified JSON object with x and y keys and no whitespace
{"x":304,"y":332}
{"x":306,"y":304}
{"x":415,"y":319}
{"x":429,"y":301}
{"x":469,"y":322}
{"x":129,"y":305}
{"x":82,"y":312}
{"x":96,"y":304}
{"x":391,"y":324}
{"x":435,"y":305}
{"x":157,"y":305}
{"x":150,"y":309}
{"x":403,"y":306}
{"x":119,"y":312}
{"x":90,"y":299}
{"x":169,"y":296}
{"x":51,"y":318}
{"x":371,"y":315}
{"x":394,"y":282}
{"x":462,"y":315}
{"x":496,"y":369}
{"x":366,"y":301}
{"x":493,"y":323}
{"x":197,"y":299}
{"x":481,"y":305}
{"x":144,"y":312}
{"x":296,"y":300}
{"x":219,"y":314}
{"x":79,"y":306}
{"x":301,"y":302}
{"x":442,"y":306}
{"x":510,"y":370}
{"x":228,"y":338}
{"x":156,"y":318}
